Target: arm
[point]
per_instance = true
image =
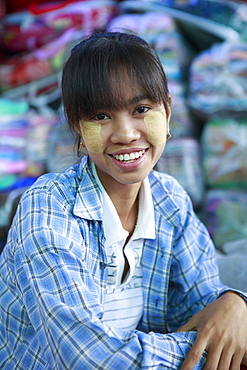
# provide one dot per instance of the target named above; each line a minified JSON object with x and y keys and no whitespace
{"x":221,"y":330}
{"x":219,"y":316}
{"x":60,"y":289}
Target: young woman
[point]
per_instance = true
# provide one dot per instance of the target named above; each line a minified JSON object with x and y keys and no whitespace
{"x":106,"y":265}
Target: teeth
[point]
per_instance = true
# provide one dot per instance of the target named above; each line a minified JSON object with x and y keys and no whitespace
{"x":129,"y":157}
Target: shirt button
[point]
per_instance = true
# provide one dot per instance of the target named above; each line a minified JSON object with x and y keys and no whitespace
{"x":102,"y":265}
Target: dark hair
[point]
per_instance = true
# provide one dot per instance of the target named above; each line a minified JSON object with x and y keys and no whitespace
{"x":98,"y":69}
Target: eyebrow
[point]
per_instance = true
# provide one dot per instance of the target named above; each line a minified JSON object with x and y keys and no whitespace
{"x":136,"y":99}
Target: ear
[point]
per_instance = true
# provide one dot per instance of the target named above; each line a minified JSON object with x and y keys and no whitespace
{"x":78,"y":138}
{"x":168,"y":111}
{"x":78,"y":130}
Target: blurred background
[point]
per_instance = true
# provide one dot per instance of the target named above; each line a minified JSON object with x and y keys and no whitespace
{"x":203,"y":48}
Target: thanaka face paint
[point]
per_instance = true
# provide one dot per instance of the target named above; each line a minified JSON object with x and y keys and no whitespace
{"x":156,"y":124}
{"x":91,"y":133}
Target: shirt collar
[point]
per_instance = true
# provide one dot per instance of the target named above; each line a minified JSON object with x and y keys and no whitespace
{"x":114,"y":231}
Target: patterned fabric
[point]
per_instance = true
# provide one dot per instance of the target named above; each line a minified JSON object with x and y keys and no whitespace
{"x":53,"y":278}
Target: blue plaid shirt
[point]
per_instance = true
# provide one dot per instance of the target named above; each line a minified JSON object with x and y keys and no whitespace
{"x":53,"y":276}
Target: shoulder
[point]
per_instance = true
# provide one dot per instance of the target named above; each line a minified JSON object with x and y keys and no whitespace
{"x":63,"y":186}
{"x":164,"y":184}
{"x":169,"y":197}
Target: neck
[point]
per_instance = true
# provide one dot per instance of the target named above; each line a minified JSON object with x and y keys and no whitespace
{"x":125,"y":199}
{"x":126,"y":204}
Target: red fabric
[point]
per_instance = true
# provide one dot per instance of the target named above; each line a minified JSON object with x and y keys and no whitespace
{"x":243,"y":367}
{"x":16,"y":5}
{"x":38,"y":7}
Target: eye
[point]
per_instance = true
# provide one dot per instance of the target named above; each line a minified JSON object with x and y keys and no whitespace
{"x":100,"y":117}
{"x":142,"y":109}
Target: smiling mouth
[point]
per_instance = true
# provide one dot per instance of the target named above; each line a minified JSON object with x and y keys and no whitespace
{"x":128,"y":158}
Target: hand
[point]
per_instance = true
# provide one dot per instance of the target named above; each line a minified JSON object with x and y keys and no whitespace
{"x":222,"y":332}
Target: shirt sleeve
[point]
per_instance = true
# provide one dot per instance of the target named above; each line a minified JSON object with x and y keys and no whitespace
{"x":61,"y":297}
{"x":194,"y":279}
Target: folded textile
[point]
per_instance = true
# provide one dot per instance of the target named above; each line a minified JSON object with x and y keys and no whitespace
{"x":23,"y":140}
{"x":225,"y":213}
{"x":224,"y":147}
{"x":159,"y":30}
{"x":40,"y":23}
{"x":232,"y":269}
{"x":23,"y":68}
{"x":13,"y":136}
{"x":218,"y":80}
{"x":62,"y":152}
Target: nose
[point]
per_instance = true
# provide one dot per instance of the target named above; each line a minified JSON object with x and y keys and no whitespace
{"x":125,"y":130}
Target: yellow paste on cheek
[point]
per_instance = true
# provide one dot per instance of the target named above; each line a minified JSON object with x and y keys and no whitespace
{"x":156,"y":123}
{"x":91,"y":133}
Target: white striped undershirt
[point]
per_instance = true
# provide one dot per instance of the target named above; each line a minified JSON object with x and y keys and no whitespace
{"x":123,"y":303}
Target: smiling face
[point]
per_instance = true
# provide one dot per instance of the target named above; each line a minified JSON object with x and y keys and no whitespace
{"x":126,"y":144}
{"x":116,"y":98}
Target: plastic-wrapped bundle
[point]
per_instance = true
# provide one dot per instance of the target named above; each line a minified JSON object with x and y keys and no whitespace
{"x":232,"y":269}
{"x":37,"y":142}
{"x":14,"y":127}
{"x":160,"y":31}
{"x":42,"y":34}
{"x":232,"y":14}
{"x":181,"y":159}
{"x":23,"y":68}
{"x":226,"y":217}
{"x":224,"y":146}
{"x":62,"y":152}
{"x":218,"y":80}
{"x":23,"y":142}
{"x":181,"y":122}
{"x":239,"y":20}
{"x":39,"y":23}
